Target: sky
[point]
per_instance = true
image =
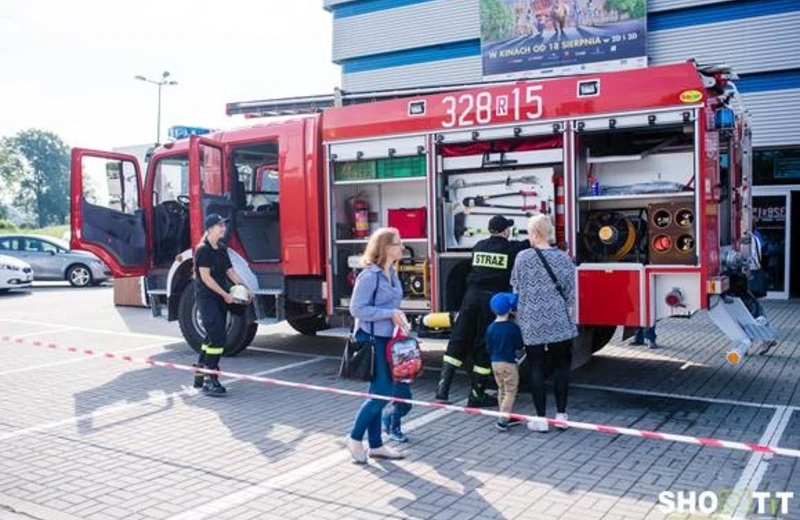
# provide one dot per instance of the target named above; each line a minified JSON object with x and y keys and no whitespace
{"x":68,"y":66}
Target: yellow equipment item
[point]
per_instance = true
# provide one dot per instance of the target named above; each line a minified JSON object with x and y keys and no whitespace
{"x":415,"y":275}
{"x":437,"y":320}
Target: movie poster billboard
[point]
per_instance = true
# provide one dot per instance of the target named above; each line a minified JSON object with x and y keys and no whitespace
{"x":542,"y":38}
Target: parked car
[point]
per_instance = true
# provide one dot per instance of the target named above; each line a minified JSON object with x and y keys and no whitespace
{"x":14,"y":274}
{"x":52,"y":260}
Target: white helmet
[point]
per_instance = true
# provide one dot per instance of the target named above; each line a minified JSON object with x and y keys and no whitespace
{"x":240,"y":294}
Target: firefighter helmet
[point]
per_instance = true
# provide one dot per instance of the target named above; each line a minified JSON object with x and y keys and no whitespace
{"x":240,"y":294}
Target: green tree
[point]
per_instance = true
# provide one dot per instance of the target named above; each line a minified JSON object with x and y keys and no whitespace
{"x":634,"y":8}
{"x":497,"y":21}
{"x":10,"y":171}
{"x":10,"y":168}
{"x":39,"y":166}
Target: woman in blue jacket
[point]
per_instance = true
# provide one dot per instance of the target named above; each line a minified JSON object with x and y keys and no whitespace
{"x":375,"y":305}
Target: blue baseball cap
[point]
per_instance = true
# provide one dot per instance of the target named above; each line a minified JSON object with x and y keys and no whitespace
{"x":503,"y":303}
{"x":214,"y":219}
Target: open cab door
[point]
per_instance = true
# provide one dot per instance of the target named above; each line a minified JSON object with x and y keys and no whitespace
{"x":106,"y":210}
{"x":208,"y":191}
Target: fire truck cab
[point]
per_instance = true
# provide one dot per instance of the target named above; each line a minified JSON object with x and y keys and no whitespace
{"x":645,"y":173}
{"x":264,"y":178}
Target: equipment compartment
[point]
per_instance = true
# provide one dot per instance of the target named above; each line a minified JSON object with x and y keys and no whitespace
{"x":366,"y":194}
{"x":510,"y":177}
{"x":623,"y":176}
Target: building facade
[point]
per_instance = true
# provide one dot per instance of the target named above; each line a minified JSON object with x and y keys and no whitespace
{"x":388,"y":44}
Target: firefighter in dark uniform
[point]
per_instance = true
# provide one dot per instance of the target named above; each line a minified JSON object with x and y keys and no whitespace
{"x":213,"y":273}
{"x":490,"y":273}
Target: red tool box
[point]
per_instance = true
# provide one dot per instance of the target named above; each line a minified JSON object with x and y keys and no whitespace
{"x":411,"y":222}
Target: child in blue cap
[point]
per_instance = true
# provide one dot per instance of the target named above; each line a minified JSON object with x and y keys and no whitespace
{"x":503,"y":339}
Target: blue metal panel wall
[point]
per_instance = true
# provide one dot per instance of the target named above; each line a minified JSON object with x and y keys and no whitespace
{"x":413,"y":28}
{"x":384,"y":44}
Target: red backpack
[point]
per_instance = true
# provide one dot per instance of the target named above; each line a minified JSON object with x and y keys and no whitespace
{"x":404,"y":357}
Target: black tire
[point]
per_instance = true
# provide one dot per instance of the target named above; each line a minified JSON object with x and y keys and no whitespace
{"x":188,"y":319}
{"x":3,"y":291}
{"x":589,"y":338}
{"x":306,"y":321}
{"x":601,"y":337}
{"x":79,"y":275}
{"x":252,"y":329}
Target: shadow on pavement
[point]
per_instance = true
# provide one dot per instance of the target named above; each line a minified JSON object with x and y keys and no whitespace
{"x":15,"y":293}
{"x":454,"y":461}
{"x":131,"y":387}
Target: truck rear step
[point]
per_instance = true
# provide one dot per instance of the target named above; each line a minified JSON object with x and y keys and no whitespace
{"x":732,"y":317}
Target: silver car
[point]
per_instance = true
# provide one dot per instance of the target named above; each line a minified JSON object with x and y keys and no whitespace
{"x":52,"y":260}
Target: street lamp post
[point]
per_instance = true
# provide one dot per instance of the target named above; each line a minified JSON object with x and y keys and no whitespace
{"x":159,"y":83}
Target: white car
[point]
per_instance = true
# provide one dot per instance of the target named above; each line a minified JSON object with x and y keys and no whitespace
{"x":14,"y":274}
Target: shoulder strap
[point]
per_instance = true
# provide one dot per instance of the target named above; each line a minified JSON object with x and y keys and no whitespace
{"x":374,"y":295}
{"x":550,"y":272}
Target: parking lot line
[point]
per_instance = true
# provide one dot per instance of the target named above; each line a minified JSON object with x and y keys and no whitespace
{"x":157,"y":399}
{"x":647,"y":393}
{"x":283,"y":480}
{"x":51,"y":331}
{"x":630,"y":391}
{"x":93,"y":331}
{"x":740,"y":501}
{"x":617,"y":390}
{"x":79,"y":360}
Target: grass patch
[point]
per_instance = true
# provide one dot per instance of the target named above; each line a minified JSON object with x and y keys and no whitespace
{"x":50,"y":231}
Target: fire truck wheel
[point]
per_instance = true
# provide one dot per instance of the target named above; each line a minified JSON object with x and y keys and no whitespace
{"x":252,"y":329}
{"x":589,"y":341}
{"x":304,"y":320}
{"x":192,"y":326}
{"x":601,"y":337}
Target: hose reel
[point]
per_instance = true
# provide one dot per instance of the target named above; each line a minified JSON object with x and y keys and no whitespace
{"x":609,"y":235}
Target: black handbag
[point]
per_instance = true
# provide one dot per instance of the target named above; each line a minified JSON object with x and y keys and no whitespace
{"x":758,"y":283}
{"x":358,"y":359}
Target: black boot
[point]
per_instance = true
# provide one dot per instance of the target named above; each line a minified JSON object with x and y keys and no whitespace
{"x":478,"y":398}
{"x":443,"y":390}
{"x":212,"y":387}
{"x":199,"y":377}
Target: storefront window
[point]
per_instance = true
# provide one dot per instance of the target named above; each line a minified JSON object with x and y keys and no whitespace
{"x":776,"y":166}
{"x":769,"y":219}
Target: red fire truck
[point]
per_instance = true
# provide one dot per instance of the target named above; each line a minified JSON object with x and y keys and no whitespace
{"x":646,"y":174}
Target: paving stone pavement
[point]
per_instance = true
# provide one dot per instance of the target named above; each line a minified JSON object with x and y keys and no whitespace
{"x":94,"y":439}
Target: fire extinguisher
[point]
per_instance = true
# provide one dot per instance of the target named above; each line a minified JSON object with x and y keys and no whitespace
{"x":360,"y":217}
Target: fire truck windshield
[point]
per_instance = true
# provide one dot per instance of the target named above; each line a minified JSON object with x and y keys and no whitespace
{"x":171,"y":234}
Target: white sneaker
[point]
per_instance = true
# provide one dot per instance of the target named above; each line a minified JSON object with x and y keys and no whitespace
{"x":356,"y":449}
{"x":385,"y":452}
{"x":562,"y":417}
{"x":538,"y":425}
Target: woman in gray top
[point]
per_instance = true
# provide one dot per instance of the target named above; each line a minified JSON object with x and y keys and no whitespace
{"x":545,"y":315}
{"x":375,"y":305}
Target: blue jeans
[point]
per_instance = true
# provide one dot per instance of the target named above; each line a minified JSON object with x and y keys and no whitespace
{"x":646,"y":334}
{"x":368,"y":418}
{"x":399,"y":410}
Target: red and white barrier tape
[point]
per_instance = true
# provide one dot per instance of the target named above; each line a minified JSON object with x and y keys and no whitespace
{"x":613,"y":430}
